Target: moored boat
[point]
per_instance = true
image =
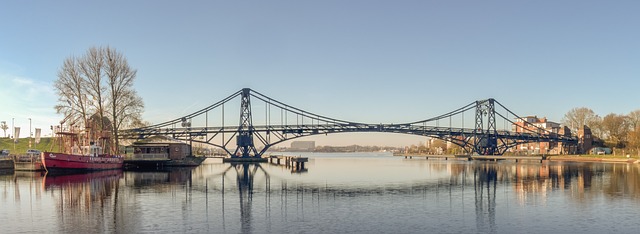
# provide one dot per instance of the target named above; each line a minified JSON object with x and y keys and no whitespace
{"x":58,"y":162}
{"x":32,"y":161}
{"x":74,"y":158}
{"x":6,"y":162}
{"x":160,"y":154}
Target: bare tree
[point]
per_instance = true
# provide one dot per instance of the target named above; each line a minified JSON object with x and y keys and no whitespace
{"x":4,"y":127}
{"x":125,"y":106}
{"x":91,"y":66}
{"x":633,"y":139}
{"x":100,"y":82}
{"x":578,"y":117}
{"x":615,"y":129}
{"x":634,"y":119}
{"x":72,"y":94}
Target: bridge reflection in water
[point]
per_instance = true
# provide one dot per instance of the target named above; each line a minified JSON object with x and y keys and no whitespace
{"x":382,"y":194}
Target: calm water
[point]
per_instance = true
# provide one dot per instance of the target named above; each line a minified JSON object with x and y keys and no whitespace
{"x":339,"y":193}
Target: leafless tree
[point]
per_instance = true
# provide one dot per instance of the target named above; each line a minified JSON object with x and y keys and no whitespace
{"x":72,"y":93}
{"x":91,"y":67}
{"x":634,"y":119}
{"x":100,"y":82}
{"x":616,"y":128}
{"x":633,"y":139}
{"x":578,"y":117}
{"x":125,"y":106}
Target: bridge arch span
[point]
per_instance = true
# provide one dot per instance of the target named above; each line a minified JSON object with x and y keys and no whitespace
{"x":279,"y":122}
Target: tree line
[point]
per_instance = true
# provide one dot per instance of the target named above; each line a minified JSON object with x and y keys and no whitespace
{"x":621,"y":131}
{"x":95,"y":91}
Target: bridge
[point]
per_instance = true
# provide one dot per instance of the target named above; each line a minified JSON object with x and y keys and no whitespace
{"x":281,"y":122}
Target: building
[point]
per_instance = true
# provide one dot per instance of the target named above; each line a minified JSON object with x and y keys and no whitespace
{"x":533,"y":124}
{"x":303,"y":145}
{"x":585,"y":140}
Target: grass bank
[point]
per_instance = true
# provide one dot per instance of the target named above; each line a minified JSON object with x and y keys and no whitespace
{"x":46,"y":144}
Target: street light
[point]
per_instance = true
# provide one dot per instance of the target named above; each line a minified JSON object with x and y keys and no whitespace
{"x":29,"y":132}
{"x":14,"y":134}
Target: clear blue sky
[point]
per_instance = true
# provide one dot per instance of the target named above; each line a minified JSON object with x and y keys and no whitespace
{"x":364,"y":61}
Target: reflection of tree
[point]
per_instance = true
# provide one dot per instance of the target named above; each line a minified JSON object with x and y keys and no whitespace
{"x":80,"y":195}
{"x":624,"y":181}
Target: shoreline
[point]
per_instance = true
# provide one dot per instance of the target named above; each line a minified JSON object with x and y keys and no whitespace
{"x":559,"y":158}
{"x":578,"y":158}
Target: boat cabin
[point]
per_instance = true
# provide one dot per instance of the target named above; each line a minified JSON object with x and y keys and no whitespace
{"x":157,"y":151}
{"x":92,"y":150}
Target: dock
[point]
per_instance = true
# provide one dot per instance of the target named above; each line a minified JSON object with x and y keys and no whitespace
{"x":6,"y":162}
{"x":245,"y":160}
{"x":296,"y":163}
{"x":438,"y":156}
{"x":473,"y":157}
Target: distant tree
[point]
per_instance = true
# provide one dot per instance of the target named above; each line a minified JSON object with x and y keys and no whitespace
{"x":634,"y":119}
{"x":597,"y":129}
{"x":578,"y":117}
{"x":633,"y":139}
{"x":615,"y":127}
{"x":4,"y":127}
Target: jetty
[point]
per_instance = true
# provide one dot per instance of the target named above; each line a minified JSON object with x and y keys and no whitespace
{"x":296,"y":163}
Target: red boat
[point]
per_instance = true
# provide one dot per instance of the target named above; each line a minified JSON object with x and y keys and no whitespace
{"x":74,"y":158}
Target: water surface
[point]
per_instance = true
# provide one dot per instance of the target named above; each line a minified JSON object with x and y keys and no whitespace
{"x":337,"y":193}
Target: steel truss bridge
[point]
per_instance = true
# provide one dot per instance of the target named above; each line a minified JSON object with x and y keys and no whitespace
{"x":281,"y":122}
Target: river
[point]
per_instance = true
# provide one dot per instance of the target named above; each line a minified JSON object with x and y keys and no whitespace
{"x":336,"y":193}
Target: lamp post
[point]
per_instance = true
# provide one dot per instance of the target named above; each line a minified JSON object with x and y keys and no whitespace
{"x":29,"y":132}
{"x":14,"y":134}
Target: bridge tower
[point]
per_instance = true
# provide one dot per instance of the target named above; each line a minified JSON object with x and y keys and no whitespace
{"x":244,"y":139}
{"x":485,"y":140}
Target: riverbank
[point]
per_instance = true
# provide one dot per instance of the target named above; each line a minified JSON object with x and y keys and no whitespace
{"x":594,"y":158}
{"x":567,"y":158}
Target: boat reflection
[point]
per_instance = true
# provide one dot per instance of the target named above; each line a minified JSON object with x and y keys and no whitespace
{"x":96,"y":179}
{"x":158,"y":178}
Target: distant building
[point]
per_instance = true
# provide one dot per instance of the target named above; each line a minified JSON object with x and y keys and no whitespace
{"x":585,"y":140}
{"x":303,"y":145}
{"x":533,"y":124}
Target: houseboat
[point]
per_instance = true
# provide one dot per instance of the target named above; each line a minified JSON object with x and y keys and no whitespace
{"x":165,"y":154}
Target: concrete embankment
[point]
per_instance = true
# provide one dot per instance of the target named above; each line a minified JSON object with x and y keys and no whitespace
{"x":566,"y":158}
{"x":578,"y":158}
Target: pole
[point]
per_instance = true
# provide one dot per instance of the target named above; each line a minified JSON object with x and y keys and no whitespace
{"x":14,"y":133}
{"x":29,"y":132}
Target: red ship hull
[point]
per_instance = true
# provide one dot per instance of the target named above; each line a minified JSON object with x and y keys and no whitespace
{"x":70,"y":162}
